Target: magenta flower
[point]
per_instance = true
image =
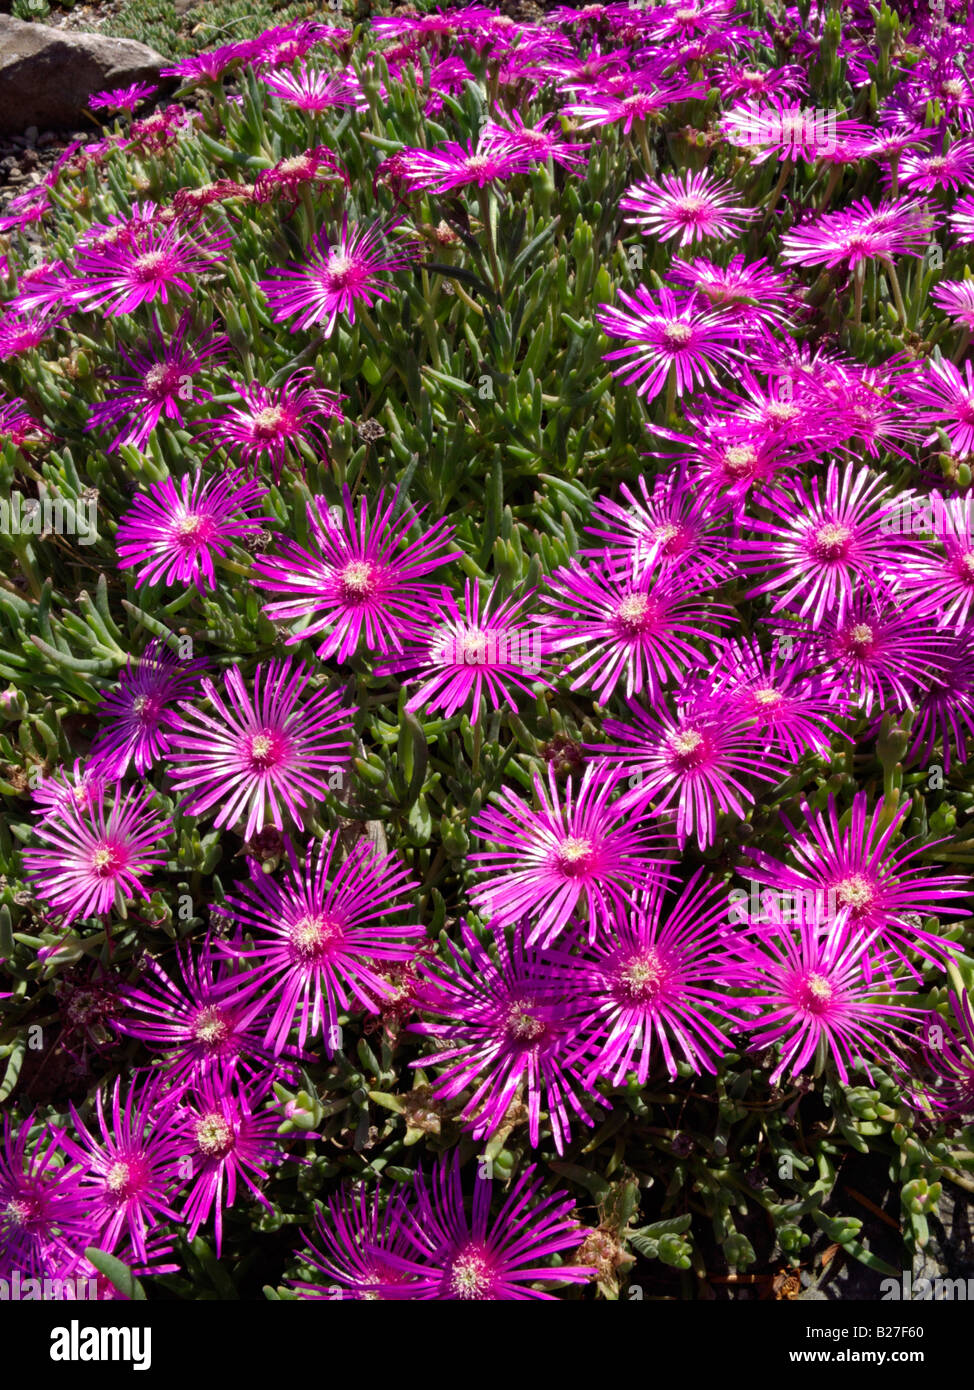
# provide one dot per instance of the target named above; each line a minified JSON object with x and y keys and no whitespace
{"x":601,"y":108}
{"x":788,"y":129}
{"x":310,"y":89}
{"x":173,"y":535}
{"x":45,"y":1222}
{"x":455,"y":1256}
{"x":822,"y":543}
{"x":774,"y":691}
{"x":479,"y":654}
{"x":510,"y":1031}
{"x":881,"y":652}
{"x":538,"y":140}
{"x":319,"y":936}
{"x":750,"y":291}
{"x":695,"y":208}
{"x":450,"y":166}
{"x":140,"y":712}
{"x":144,"y":265}
{"x":337,"y":275}
{"x":21,"y":333}
{"x":945,"y":713}
{"x":18,"y":425}
{"x":817,"y":999}
{"x":359,"y":577}
{"x":926,"y":171}
{"x":860,"y":233}
{"x":635,"y":630}
{"x":669,"y":528}
{"x":949,"y":1058}
{"x":668,"y":337}
{"x":580,"y":852}
{"x":189,"y":1017}
{"x":962,"y":220}
{"x":950,"y":575}
{"x":944,"y":398}
{"x":130,"y":1168}
{"x":81,"y":787}
{"x":273,"y":420}
{"x":224,"y":1142}
{"x":288,"y":176}
{"x":92,"y":860}
{"x":357,"y":1238}
{"x":654,"y":979}
{"x":884,"y":890}
{"x":694,"y":758}
{"x":260,"y":753}
{"x":956,"y":298}
{"x":122,"y":98}
{"x":163,"y":377}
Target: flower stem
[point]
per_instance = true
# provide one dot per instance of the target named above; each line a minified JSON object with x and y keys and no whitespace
{"x":486,"y":211}
{"x":776,"y":192}
{"x":894,"y":285}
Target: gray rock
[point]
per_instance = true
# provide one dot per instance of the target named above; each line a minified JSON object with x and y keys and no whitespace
{"x":47,"y":75}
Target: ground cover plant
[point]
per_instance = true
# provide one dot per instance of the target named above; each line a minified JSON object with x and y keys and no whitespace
{"x":489,"y":660}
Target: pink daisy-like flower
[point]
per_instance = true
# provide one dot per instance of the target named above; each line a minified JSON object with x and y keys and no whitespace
{"x":224,"y":1139}
{"x":789,"y":707}
{"x":509,"y":1028}
{"x":883,"y":889}
{"x":816,"y":997}
{"x":130,"y":1169}
{"x":450,"y":166}
{"x":454,"y":1257}
{"x":945,"y":713}
{"x":471,"y":656}
{"x":45,"y":289}
{"x":883,"y":651}
{"x":18,"y":425}
{"x":949,"y":1058}
{"x":319,"y":936}
{"x":122,"y":98}
{"x":694,"y":208}
{"x":163,"y":378}
{"x":860,"y":233}
{"x":950,"y":575}
{"x":21,"y":333}
{"x":944,"y":398}
{"x":311,"y":89}
{"x":145,"y":265}
{"x":174,"y":533}
{"x":140,"y":713}
{"x":212,"y":63}
{"x":45,"y":1223}
{"x":336,"y":275}
{"x":356,"y":1237}
{"x":668,"y":528}
{"x":823,"y":543}
{"x":655,"y":978}
{"x":259,"y":753}
{"x":667,"y":335}
{"x":962,"y":220}
{"x":636,"y":632}
{"x":273,"y":420}
{"x":751,"y":291}
{"x":789,"y":130}
{"x":92,"y":859}
{"x":925,"y":171}
{"x":956,"y":298}
{"x":80,"y":786}
{"x":694,"y":759}
{"x":27,"y":208}
{"x":360,"y":576}
{"x":288,"y":176}
{"x":598,"y":107}
{"x":186,"y":1015}
{"x":579,"y":852}
{"x":540,"y":142}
